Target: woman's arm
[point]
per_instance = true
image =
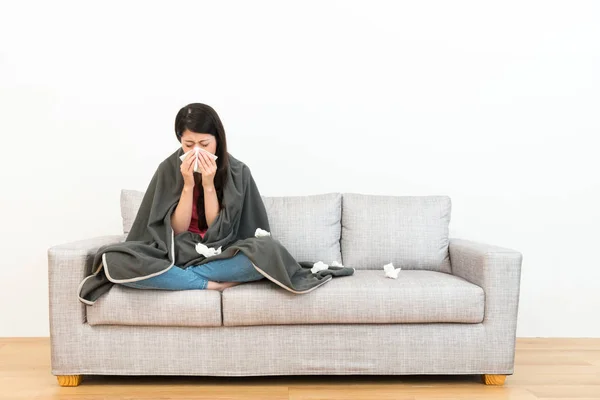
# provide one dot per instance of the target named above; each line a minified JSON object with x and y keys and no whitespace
{"x":211,"y":204}
{"x":182,"y":216}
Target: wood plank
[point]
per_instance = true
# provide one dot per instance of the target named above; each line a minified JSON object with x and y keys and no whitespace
{"x":474,"y":391}
{"x":526,"y":375}
{"x":557,"y":344}
{"x":566,"y":391}
{"x":558,"y":357}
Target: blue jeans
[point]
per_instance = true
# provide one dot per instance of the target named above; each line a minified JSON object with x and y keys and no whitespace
{"x":235,"y":269}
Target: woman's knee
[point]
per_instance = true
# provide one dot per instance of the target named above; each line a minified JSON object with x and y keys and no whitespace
{"x":238,"y":268}
{"x":173,"y":279}
{"x":250,"y":272}
{"x":132,"y":285}
{"x":139,"y":285}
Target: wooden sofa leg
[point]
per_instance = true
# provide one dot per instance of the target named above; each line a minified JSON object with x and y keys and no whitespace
{"x":493,"y":379}
{"x":69,"y":380}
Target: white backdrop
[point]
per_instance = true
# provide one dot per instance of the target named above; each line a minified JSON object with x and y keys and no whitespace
{"x":494,"y":104}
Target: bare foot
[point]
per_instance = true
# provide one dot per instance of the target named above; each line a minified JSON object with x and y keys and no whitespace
{"x":221,"y":285}
{"x":213,"y":285}
{"x":226,"y":285}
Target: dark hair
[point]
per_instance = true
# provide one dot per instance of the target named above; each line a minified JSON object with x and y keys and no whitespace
{"x":202,"y":118}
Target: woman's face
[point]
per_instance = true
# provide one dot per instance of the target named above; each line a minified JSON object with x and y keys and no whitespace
{"x":205,"y":141}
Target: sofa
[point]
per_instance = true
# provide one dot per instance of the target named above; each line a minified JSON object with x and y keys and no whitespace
{"x":451,"y":310}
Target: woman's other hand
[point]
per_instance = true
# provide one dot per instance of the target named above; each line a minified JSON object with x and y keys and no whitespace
{"x":208,"y":169}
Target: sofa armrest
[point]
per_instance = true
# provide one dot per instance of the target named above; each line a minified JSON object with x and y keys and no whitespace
{"x":68,"y":264}
{"x":495,"y":269}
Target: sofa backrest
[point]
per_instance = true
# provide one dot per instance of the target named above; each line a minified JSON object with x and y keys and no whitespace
{"x":308,"y":226}
{"x":357,"y":230}
{"x":409,"y":231}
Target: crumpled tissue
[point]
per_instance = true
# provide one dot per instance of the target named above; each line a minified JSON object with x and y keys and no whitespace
{"x":320,"y":265}
{"x":261,"y":232}
{"x":197,"y":150}
{"x":211,"y":251}
{"x":390,"y":272}
{"x":207,"y":251}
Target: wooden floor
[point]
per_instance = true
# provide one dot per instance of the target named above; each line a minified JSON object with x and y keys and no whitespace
{"x":544,"y":369}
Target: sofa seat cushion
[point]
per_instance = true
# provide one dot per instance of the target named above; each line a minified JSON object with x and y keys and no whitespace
{"x":368,"y":296}
{"x":127,"y":306}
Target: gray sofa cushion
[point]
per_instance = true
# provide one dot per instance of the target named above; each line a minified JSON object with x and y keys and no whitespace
{"x":365,"y":297}
{"x":130,"y":203}
{"x":409,"y":231}
{"x":308,"y":226}
{"x":128,"y":306}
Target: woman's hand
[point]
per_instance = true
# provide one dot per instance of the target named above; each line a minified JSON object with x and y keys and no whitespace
{"x":187,"y":170}
{"x":208,"y":169}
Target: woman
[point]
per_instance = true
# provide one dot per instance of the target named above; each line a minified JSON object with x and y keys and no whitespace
{"x":198,"y":125}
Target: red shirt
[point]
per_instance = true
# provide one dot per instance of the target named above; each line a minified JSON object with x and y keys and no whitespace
{"x":194,"y":222}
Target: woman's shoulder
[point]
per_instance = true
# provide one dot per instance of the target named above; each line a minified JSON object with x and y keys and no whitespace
{"x":235,"y":161}
{"x":237,"y":165}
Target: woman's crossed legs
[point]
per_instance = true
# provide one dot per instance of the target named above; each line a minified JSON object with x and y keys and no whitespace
{"x":213,"y":275}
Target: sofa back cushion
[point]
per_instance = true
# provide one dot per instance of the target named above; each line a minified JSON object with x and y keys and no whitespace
{"x":409,"y":231}
{"x":309,"y":227}
{"x":130,"y":204}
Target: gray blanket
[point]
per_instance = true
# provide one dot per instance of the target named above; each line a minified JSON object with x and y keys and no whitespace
{"x":151,"y":247}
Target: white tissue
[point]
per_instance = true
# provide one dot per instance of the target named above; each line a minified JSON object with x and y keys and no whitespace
{"x":207,"y":251}
{"x":261,"y":232}
{"x":197,"y":150}
{"x":390,"y":272}
{"x":318,"y":266}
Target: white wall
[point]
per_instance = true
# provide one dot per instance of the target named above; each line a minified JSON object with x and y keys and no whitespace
{"x":495,"y":104}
